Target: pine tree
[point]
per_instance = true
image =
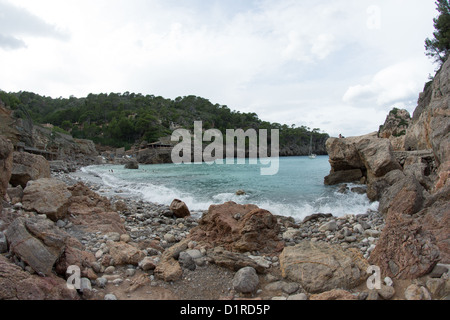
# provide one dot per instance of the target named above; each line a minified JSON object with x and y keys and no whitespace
{"x":439,"y":47}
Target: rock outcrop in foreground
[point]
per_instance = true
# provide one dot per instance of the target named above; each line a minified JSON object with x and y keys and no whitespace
{"x":239,"y":228}
{"x":321,"y":267}
{"x":363,"y":159}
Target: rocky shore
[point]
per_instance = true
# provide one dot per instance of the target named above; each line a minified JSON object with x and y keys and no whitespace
{"x":58,"y":229}
{"x":128,"y":249}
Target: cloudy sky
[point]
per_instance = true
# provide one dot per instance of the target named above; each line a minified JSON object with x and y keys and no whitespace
{"x":337,"y":65}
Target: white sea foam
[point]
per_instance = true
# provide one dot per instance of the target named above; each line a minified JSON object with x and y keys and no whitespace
{"x":342,"y":205}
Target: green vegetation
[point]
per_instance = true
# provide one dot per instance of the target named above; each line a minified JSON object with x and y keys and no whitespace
{"x":399,"y":134}
{"x":438,"y":48}
{"x":57,"y":129}
{"x":403,"y":123}
{"x":394,"y":111}
{"x":121,"y":120}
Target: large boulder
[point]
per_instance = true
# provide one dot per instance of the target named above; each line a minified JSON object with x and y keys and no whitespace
{"x":377,"y":156}
{"x":93,"y":212}
{"x":15,"y":194}
{"x":17,"y":284}
{"x":75,"y":255}
{"x":435,"y":217}
{"x":234,"y":260}
{"x":6,"y":162}
{"x":125,"y":254}
{"x":405,"y":250}
{"x":37,"y":242}
{"x":321,"y":267}
{"x":179,"y":209}
{"x":27,"y":167}
{"x":416,"y":227}
{"x":239,"y":228}
{"x":47,"y":196}
{"x":356,"y":157}
{"x":343,"y":176}
{"x":246,"y":280}
{"x":169,"y":269}
{"x":404,"y":195}
{"x":343,"y":153}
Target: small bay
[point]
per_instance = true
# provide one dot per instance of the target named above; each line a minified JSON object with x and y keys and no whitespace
{"x":297,"y":190}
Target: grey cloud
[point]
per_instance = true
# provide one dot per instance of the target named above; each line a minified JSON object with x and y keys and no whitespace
{"x":16,"y":22}
{"x":9,"y":42}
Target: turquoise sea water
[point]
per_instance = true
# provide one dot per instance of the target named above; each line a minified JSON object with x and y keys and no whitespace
{"x":297,"y":190}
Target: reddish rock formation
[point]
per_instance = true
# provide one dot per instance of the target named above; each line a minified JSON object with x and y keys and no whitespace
{"x":47,"y":196}
{"x":124,"y":254}
{"x":405,"y":196}
{"x":16,"y":284}
{"x":93,"y":212}
{"x":75,"y":255}
{"x":168,"y":268}
{"x":405,"y":250}
{"x":239,"y":228}
{"x":37,"y":242}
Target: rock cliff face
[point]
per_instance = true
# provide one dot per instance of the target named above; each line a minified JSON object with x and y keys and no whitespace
{"x":394,"y":128}
{"x":409,"y":176}
{"x":78,"y":151}
{"x":8,"y":125}
{"x":430,"y":128}
{"x":6,"y":161}
{"x":364,"y":159}
{"x":27,"y":167}
{"x":60,"y":146}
